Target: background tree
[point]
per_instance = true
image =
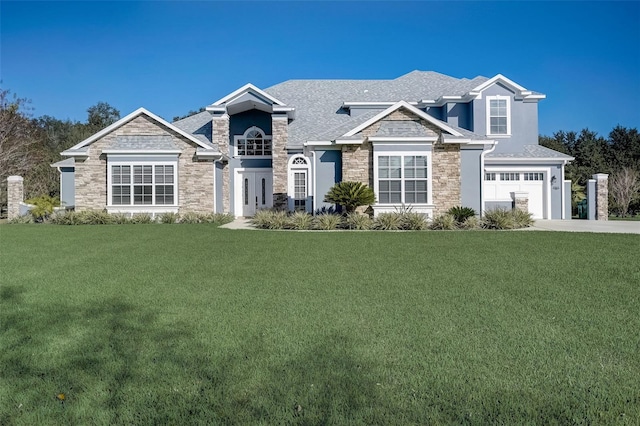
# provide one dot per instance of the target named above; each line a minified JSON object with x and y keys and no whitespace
{"x":102,"y":115}
{"x":624,"y":188}
{"x":17,"y":140}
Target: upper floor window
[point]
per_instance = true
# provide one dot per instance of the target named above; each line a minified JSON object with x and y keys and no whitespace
{"x":253,"y":143}
{"x":498,"y":115}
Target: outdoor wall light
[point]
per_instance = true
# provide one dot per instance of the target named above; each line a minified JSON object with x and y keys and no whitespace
{"x":553,"y":180}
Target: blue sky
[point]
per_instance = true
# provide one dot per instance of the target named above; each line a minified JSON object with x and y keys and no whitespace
{"x":172,"y":57}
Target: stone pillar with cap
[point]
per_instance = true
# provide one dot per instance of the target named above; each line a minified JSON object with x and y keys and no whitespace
{"x":602,"y":196}
{"x":15,"y":195}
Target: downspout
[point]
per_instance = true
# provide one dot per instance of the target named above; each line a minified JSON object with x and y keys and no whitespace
{"x":482,"y":155}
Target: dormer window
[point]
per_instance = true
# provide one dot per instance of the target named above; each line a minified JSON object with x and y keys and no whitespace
{"x":498,"y":116}
{"x":253,"y":143}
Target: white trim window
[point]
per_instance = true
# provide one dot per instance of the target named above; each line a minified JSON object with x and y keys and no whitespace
{"x":402,"y":178}
{"x":498,"y":115}
{"x":299,"y":183}
{"x":253,"y":143}
{"x":142,"y":184}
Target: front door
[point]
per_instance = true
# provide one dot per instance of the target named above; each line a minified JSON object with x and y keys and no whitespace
{"x":255,"y":191}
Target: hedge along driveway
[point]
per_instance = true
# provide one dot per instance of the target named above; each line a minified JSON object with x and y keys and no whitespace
{"x":190,"y":323}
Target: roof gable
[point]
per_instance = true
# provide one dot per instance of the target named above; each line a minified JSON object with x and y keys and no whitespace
{"x":127,"y":119}
{"x":248,"y":89}
{"x":509,"y":84}
{"x":402,"y":104}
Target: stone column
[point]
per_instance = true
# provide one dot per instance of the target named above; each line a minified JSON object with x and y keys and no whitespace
{"x":15,"y":195}
{"x":602,"y":196}
{"x":520,"y":200}
{"x":221,"y":137}
{"x":279,"y":136}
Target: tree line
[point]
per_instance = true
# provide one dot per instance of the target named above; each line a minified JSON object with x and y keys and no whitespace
{"x":29,"y":145}
{"x":617,"y":155}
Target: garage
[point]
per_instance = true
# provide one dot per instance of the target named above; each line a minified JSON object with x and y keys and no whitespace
{"x":499,"y":186}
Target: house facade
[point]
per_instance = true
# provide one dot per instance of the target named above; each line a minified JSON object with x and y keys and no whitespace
{"x":423,"y":141}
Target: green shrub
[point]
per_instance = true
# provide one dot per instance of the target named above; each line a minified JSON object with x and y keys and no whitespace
{"x":461,"y":213}
{"x":21,"y":219}
{"x":43,"y":207}
{"x":350,"y":195}
{"x":472,"y":222}
{"x":522,"y":219}
{"x":141,"y":218}
{"x":498,"y":218}
{"x":279,"y":220}
{"x":444,"y":222}
{"x":96,"y":217}
{"x":357,"y":221}
{"x":221,"y":218}
{"x":413,"y":221}
{"x":121,"y":218}
{"x":191,"y":217}
{"x":169,"y":217}
{"x":388,"y":221}
{"x":301,"y":221}
{"x":327,"y":222}
{"x":262,"y":219}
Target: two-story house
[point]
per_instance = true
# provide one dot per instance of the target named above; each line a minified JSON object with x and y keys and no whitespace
{"x":424,"y":141}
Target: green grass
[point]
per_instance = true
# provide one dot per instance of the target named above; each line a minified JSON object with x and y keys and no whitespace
{"x":191,"y":324}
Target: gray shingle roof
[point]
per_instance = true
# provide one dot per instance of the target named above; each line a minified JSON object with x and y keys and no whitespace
{"x":144,"y":143}
{"x":199,"y":125}
{"x":531,"y":151}
{"x":318,"y":103}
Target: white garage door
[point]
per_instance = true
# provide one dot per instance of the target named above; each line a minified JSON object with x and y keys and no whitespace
{"x":498,"y":186}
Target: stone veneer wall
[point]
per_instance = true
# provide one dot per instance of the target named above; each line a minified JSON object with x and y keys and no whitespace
{"x":15,"y":195}
{"x":445,"y":173}
{"x":195,"y":178}
{"x":357,"y":162}
{"x":279,"y":136}
{"x":221,"y":137}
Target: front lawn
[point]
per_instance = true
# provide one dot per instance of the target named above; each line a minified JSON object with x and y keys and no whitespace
{"x":191,"y":324}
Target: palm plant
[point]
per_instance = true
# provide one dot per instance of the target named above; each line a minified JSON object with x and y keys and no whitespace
{"x":350,"y":195}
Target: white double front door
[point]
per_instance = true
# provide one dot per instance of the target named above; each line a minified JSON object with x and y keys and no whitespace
{"x":253,"y":191}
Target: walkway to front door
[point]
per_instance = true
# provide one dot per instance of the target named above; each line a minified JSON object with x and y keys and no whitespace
{"x":253,"y":191}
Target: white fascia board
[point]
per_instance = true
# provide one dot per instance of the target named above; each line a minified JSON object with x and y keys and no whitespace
{"x":317,"y":143}
{"x":371,"y":104}
{"x":125,"y":120}
{"x":141,"y":151}
{"x":442,"y":100}
{"x":244,"y":89}
{"x":493,"y":160}
{"x":349,"y":141}
{"x":411,"y":108}
{"x":400,"y":140}
{"x":209,"y":154}
{"x":71,"y":153}
{"x":212,"y":108}
{"x":467,"y":141}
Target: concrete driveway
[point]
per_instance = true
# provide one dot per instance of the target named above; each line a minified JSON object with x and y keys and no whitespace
{"x":606,"y":226}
